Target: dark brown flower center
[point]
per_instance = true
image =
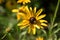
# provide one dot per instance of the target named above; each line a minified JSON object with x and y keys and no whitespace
{"x":32,"y":20}
{"x":12,"y":3}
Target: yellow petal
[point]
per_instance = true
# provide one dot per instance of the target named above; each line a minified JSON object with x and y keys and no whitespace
{"x":15,"y":10}
{"x":39,"y":12}
{"x":22,"y":27}
{"x":24,"y":22}
{"x":43,"y":21}
{"x":31,"y":12}
{"x":18,"y":17}
{"x":21,"y":15}
{"x":27,"y":11}
{"x":23,"y":2}
{"x":34,"y":9}
{"x":34,"y":30}
{"x":30,"y":8}
{"x":19,"y":1}
{"x":37,"y":26}
{"x":43,"y":24}
{"x":29,"y":30}
{"x":22,"y":7}
{"x":41,"y":27}
{"x":41,"y":16}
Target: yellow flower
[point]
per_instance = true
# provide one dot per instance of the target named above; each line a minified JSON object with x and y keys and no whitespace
{"x":11,"y":5}
{"x":39,"y":38}
{"x":31,"y":18}
{"x":19,"y":14}
{"x":23,"y":1}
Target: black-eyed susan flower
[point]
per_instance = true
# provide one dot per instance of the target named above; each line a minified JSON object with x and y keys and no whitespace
{"x":31,"y":18}
{"x":11,"y":4}
{"x":39,"y":38}
{"x":23,"y":1}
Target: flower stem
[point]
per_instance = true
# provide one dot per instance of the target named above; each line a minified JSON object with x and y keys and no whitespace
{"x":55,"y":12}
{"x":4,"y":36}
{"x":54,"y":17}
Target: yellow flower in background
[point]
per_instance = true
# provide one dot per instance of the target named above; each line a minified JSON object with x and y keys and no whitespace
{"x":31,"y":18}
{"x":19,"y":12}
{"x":23,"y":1}
{"x":1,"y":1}
{"x":39,"y":38}
{"x":11,"y":5}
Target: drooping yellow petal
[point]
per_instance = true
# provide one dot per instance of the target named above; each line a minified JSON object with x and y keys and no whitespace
{"x":34,"y":9}
{"x":43,"y":24}
{"x":34,"y":30}
{"x":41,"y":16}
{"x":29,"y":29}
{"x":39,"y":12}
{"x":24,"y":22}
{"x":36,"y":26}
{"x":41,"y":27}
{"x":43,"y":21}
{"x":15,"y":10}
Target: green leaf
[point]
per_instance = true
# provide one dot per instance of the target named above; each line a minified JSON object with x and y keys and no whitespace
{"x":56,"y":31}
{"x":44,"y":32}
{"x":54,"y":26}
{"x":22,"y":34}
{"x":59,"y":39}
{"x":55,"y":37}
